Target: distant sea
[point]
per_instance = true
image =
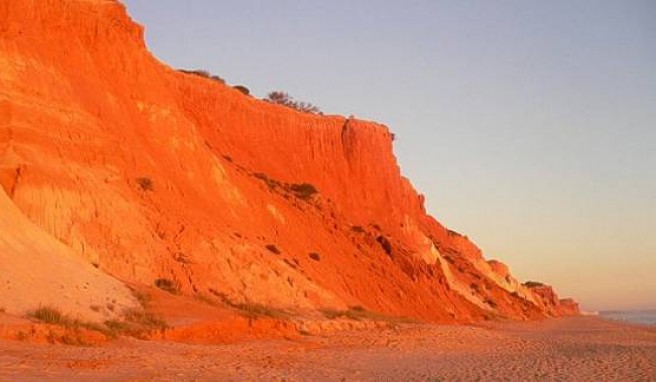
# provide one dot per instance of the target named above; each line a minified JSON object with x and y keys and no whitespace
{"x":645,"y":317}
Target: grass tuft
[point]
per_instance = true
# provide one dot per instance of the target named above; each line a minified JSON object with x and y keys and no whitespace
{"x":136,"y":323}
{"x":53,"y":316}
{"x":50,"y":315}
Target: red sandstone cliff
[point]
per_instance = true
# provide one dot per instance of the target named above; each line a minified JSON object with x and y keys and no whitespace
{"x":145,"y":173}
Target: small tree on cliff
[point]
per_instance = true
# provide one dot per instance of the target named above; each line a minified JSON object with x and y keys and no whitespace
{"x":282,"y":98}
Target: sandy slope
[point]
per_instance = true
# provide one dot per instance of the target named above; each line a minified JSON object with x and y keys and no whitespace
{"x":43,"y":271}
{"x":578,"y":348}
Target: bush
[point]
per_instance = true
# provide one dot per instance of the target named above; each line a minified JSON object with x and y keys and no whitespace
{"x":304,"y":190}
{"x":197,"y":72}
{"x":385,"y":244}
{"x":357,"y":228}
{"x":491,"y":303}
{"x":284,"y":99}
{"x":242,"y":89}
{"x":217,"y":79}
{"x":533,"y":284}
{"x":203,"y":73}
{"x":272,"y":248}
{"x":168,"y":285}
{"x":145,"y":183}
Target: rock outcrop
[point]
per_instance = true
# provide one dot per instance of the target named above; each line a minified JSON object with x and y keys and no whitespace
{"x":148,"y":173}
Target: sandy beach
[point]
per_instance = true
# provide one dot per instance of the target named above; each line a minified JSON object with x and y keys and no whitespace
{"x":579,"y":348}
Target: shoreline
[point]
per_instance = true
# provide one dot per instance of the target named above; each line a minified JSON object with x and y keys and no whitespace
{"x":571,"y":348}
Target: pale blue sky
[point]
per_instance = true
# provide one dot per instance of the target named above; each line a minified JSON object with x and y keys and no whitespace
{"x":529,"y":125}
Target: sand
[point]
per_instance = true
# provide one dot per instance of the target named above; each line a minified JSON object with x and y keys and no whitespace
{"x":579,"y":348}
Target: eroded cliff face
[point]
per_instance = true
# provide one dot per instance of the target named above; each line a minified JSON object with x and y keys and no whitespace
{"x":146,"y":173}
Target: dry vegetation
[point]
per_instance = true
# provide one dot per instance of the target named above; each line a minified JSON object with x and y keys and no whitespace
{"x":254,"y":310}
{"x":358,"y":313}
{"x":272,"y":248}
{"x":303,"y":191}
{"x":203,"y":73}
{"x":145,"y":183}
{"x":135,"y":323}
{"x":284,"y":99}
{"x":168,"y":285}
